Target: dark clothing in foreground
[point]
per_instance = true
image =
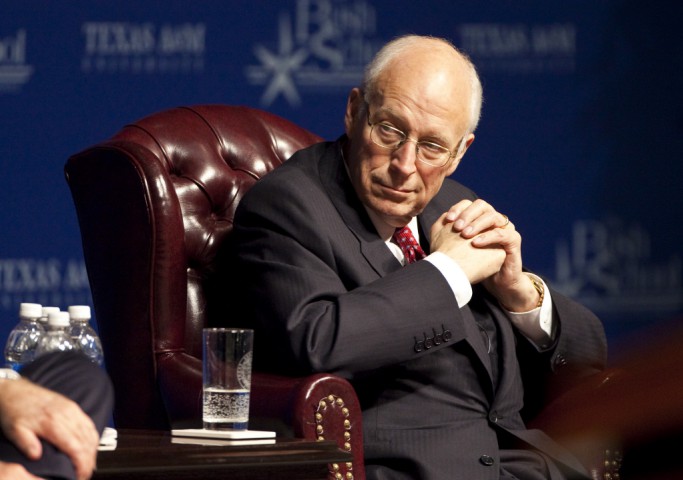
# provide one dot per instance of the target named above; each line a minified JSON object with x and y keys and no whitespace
{"x":76,"y":377}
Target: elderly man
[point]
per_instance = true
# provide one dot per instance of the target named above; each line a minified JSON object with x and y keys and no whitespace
{"x":449,"y":354}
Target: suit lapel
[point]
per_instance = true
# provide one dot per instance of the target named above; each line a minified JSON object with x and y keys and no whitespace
{"x":335,"y":179}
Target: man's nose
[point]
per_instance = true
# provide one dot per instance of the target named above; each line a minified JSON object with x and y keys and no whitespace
{"x":404,"y":157}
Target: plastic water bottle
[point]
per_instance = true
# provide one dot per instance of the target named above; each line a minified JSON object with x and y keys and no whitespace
{"x":43,"y":318}
{"x":23,"y":340}
{"x":57,"y":337}
{"x":83,"y":335}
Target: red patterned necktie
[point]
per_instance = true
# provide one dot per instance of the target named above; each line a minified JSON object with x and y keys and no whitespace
{"x":403,"y":237}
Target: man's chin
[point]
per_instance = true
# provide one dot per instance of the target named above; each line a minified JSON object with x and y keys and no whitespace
{"x":395,"y":215}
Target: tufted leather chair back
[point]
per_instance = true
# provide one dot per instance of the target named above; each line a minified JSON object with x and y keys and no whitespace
{"x":155,"y":203}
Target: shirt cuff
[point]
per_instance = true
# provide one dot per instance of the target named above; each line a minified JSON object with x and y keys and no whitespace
{"x":536,"y":324}
{"x":456,"y":278}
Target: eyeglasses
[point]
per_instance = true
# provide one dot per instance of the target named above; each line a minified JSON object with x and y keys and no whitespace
{"x":386,"y":136}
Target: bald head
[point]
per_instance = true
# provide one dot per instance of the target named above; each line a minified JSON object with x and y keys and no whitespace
{"x":432,"y":65}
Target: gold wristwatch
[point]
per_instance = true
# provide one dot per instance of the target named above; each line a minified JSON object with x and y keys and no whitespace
{"x":539,"y":288}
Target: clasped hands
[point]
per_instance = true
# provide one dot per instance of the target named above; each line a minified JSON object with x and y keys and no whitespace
{"x":488,"y":249}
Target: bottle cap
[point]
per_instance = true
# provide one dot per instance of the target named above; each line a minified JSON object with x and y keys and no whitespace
{"x":30,"y":310}
{"x":46,"y":311}
{"x":79,"y":312}
{"x":58,"y":319}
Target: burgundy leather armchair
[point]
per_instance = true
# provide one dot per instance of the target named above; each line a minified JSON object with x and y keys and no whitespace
{"x":154,"y":203}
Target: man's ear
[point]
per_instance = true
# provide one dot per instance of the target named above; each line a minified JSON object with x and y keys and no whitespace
{"x":353,"y":104}
{"x":458,"y":157}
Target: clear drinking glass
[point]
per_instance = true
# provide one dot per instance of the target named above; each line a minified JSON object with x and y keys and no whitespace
{"x":227,"y":358}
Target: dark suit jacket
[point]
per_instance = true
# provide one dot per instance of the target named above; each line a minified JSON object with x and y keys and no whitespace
{"x":328,"y":295}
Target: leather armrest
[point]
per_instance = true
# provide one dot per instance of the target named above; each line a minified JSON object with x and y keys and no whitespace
{"x":317,"y":407}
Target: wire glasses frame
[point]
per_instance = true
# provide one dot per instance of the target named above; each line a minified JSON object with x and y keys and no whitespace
{"x":387,"y":136}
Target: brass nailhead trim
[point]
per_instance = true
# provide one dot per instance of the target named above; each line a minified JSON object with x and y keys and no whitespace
{"x":319,"y":418}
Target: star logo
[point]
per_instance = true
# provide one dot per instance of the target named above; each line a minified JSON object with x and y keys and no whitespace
{"x":319,"y":49}
{"x":281,"y":65}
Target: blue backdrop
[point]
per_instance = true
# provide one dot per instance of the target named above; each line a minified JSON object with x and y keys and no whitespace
{"x":580,"y":142}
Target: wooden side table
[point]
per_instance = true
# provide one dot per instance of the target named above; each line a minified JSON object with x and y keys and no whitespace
{"x":147,"y":455}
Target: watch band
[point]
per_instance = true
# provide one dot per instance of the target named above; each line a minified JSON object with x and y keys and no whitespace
{"x":539,"y":288}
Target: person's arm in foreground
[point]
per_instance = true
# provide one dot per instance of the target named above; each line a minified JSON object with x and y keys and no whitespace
{"x":29,"y":412}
